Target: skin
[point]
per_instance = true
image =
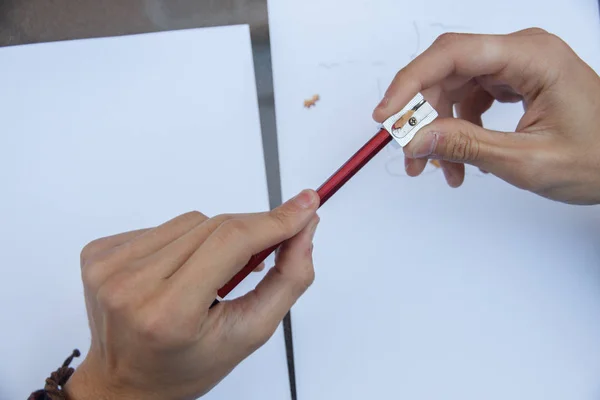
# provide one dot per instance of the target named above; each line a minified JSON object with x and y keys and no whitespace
{"x":148,"y":292}
{"x":553,"y":152}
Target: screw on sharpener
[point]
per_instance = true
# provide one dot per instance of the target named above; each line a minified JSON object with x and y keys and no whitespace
{"x":404,"y":125}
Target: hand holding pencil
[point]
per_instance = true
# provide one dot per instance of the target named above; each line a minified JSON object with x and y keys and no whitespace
{"x":148,"y":294}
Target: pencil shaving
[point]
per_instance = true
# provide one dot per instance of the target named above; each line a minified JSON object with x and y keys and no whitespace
{"x":312,"y":101}
{"x":435,"y":163}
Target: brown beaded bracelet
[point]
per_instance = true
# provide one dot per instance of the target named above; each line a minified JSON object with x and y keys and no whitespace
{"x":53,"y":390}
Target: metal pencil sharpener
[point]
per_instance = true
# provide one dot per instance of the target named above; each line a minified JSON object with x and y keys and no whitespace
{"x":404,"y":125}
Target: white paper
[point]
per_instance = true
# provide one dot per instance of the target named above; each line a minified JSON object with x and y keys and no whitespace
{"x":423,"y":291}
{"x":108,"y":135}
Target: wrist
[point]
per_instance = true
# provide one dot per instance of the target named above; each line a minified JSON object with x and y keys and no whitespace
{"x":90,"y":383}
{"x":85,"y":384}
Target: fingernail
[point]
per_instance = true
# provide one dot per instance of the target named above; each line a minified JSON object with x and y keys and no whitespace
{"x":383,"y":103}
{"x":305,"y":199}
{"x":424,"y":144}
{"x":313,"y":229}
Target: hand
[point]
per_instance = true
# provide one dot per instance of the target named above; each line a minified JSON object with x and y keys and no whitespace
{"x":148,"y":295}
{"x":555,"y":149}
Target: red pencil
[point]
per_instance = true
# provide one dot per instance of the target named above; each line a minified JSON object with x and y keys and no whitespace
{"x":328,"y":189}
{"x":402,"y":126}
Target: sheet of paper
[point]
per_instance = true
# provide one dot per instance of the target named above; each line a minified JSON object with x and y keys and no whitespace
{"x":108,"y":135}
{"x":422,"y":291}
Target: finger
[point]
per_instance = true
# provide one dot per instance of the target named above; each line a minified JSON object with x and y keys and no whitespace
{"x":231,"y":245}
{"x":498,"y":90}
{"x":414,"y":166}
{"x":155,"y":239}
{"x":444,"y":102}
{"x":471,"y":106}
{"x":123,"y":255}
{"x":474,"y":104}
{"x":163,"y":263}
{"x":255,"y":316}
{"x":528,"y":32}
{"x":508,"y":58}
{"x":453,"y":172}
{"x":460,"y":141}
{"x":104,"y":244}
{"x":445,"y":58}
{"x":456,"y":89}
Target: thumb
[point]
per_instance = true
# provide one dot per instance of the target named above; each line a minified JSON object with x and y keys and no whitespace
{"x":257,"y":314}
{"x":460,"y":141}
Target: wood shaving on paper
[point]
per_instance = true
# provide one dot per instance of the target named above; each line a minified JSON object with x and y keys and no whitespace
{"x":312,"y":101}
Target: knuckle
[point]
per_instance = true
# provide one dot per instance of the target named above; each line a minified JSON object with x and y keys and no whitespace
{"x":447,"y":39}
{"x":194,"y":215}
{"x":317,"y":219}
{"x":307,"y":276}
{"x":551,"y":41}
{"x":92,"y":275}
{"x":534,"y":31}
{"x":231,"y":230}
{"x":221,"y":217}
{"x":303,"y":277}
{"x":463,"y":147}
{"x":115,"y":294}
{"x":90,"y":250}
{"x":96,"y":268}
{"x":283,"y":219}
{"x":218,"y":220}
{"x":528,"y":79}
